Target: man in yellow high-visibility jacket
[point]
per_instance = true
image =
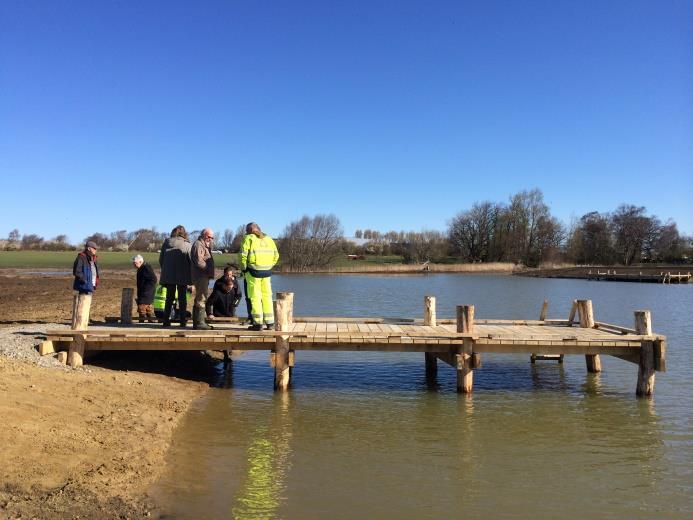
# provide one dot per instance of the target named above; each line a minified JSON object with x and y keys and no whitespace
{"x":257,"y":257}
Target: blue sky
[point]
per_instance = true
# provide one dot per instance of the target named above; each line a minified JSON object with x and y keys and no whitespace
{"x":389,"y":114}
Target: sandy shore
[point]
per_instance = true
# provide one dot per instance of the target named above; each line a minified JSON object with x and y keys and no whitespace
{"x":88,"y":442}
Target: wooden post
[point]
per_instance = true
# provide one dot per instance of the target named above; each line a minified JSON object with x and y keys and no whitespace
{"x":282,"y":311}
{"x":573,"y":310}
{"x":430,"y":321}
{"x":544,"y":309}
{"x":593,"y":361}
{"x":126,"y":306}
{"x":542,"y":317}
{"x":465,"y":372}
{"x":290,"y":297}
{"x":80,"y":311}
{"x":429,"y":311}
{"x":76,"y":355}
{"x":465,"y":318}
{"x":646,"y":366}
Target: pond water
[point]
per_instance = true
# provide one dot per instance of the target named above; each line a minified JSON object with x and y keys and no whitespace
{"x":363,"y":435}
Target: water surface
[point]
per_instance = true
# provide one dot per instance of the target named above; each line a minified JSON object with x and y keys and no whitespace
{"x":364,"y":435}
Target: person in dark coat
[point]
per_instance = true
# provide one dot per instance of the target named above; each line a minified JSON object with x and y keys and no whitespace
{"x":174,"y":260}
{"x":225,"y":296}
{"x":146,"y":284}
{"x":86,"y":270}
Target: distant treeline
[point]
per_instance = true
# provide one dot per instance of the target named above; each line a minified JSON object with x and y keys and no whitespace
{"x":521,"y":231}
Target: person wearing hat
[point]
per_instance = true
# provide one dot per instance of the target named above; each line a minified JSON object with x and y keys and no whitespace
{"x":86,"y":270}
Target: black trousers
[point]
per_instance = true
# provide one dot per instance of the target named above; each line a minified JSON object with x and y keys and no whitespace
{"x":182,"y":301}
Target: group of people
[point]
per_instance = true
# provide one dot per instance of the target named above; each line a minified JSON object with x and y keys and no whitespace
{"x":185,"y":265}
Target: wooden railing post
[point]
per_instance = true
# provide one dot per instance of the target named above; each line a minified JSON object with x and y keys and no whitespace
{"x":430,"y":321}
{"x":465,"y":372}
{"x":646,"y":366}
{"x":283,"y":315}
{"x":81,"y":304}
{"x":126,"y":306}
{"x":593,"y":361}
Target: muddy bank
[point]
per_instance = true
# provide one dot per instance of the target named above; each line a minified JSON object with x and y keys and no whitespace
{"x":84,"y":443}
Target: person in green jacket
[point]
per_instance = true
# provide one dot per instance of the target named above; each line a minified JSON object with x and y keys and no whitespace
{"x":257,"y":257}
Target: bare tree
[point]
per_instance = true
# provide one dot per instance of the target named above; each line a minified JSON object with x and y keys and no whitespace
{"x":13,"y":237}
{"x":471,"y":232}
{"x":32,"y":241}
{"x":311,"y":242}
{"x":630,"y":227}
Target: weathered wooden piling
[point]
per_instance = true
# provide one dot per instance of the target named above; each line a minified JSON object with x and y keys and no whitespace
{"x":465,"y":372}
{"x":81,"y":303}
{"x":646,"y":366}
{"x":593,"y":361}
{"x":545,"y":357}
{"x":75,"y":356}
{"x":429,"y":320}
{"x":126,"y":306}
{"x":283,"y":313}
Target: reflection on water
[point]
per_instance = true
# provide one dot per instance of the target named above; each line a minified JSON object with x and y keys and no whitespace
{"x":267,"y":466}
{"x":366,"y":435}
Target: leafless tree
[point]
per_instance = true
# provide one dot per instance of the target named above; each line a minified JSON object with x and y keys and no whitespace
{"x":311,"y":242}
{"x":630,"y":228}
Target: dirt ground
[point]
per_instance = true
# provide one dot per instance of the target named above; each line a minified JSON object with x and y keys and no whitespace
{"x":26,"y":297}
{"x":87,"y":442}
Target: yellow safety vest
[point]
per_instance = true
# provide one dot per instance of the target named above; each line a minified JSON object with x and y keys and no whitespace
{"x":258,"y":254}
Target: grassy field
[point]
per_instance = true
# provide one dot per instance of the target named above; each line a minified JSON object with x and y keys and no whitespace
{"x":63,"y":259}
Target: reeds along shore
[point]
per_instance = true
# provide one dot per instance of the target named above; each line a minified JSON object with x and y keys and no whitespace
{"x":489,"y":268}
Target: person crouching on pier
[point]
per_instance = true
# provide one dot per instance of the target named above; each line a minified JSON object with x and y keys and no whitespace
{"x":174,"y":260}
{"x":146,"y":283}
{"x":225,"y":296}
{"x":202,"y":270}
{"x":257,"y":257}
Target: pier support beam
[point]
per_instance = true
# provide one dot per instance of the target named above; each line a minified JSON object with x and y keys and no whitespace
{"x":646,"y":366}
{"x":465,"y":372}
{"x":75,"y":357}
{"x":593,"y":361}
{"x":430,"y":320}
{"x":283,"y":312}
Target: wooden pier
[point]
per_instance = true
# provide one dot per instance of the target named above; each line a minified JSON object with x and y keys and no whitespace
{"x":611,"y":275}
{"x":460,"y":342}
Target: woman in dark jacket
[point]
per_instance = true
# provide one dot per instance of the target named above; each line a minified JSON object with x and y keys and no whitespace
{"x":174,"y":260}
{"x":225,"y":296}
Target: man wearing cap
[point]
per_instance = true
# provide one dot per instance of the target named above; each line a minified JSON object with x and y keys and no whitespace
{"x":86,"y":270}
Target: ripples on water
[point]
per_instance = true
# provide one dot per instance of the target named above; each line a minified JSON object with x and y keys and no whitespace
{"x":363,"y":435}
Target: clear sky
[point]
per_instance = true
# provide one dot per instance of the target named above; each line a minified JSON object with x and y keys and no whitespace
{"x":389,"y":114}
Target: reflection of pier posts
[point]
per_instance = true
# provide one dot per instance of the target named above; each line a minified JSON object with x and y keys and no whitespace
{"x":283,"y":313}
{"x":593,"y":361}
{"x":646,"y":366}
{"x":429,"y":320}
{"x":465,"y":374}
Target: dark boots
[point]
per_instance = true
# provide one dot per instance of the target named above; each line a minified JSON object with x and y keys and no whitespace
{"x":199,"y":322}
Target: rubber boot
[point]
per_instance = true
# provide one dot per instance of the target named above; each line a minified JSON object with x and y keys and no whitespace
{"x":199,"y":319}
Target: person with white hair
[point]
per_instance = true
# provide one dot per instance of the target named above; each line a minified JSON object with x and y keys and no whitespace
{"x":202,"y":271}
{"x":146,"y":284}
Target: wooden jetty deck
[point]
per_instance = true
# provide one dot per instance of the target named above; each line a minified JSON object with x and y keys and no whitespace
{"x":665,"y":277}
{"x":458,"y":342}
